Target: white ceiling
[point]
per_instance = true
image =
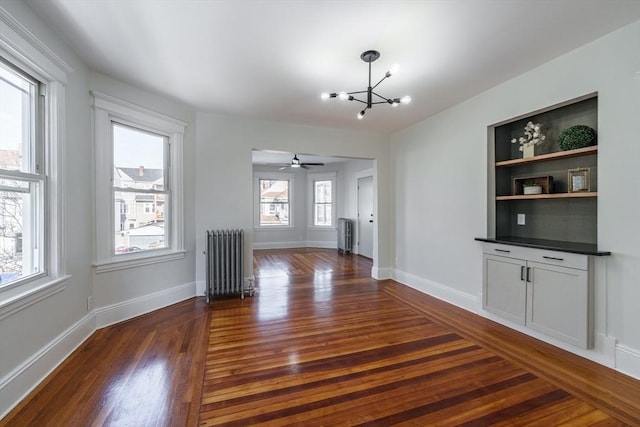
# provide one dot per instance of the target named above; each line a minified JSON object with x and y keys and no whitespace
{"x":272,"y":59}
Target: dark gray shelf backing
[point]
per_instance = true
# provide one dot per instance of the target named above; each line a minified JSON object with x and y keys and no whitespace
{"x":556,"y":168}
{"x":570,"y":220}
{"x":553,"y":122}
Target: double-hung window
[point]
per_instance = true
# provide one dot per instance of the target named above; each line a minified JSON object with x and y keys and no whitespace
{"x":22,"y":176}
{"x":322,"y":190}
{"x":275,"y":200}
{"x":138,"y":185}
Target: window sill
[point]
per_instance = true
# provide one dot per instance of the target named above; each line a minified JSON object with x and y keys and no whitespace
{"x":137,"y":261}
{"x":30,"y":294}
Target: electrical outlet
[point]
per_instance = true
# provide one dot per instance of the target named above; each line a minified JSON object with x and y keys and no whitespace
{"x":89,"y":303}
{"x":521,"y":219}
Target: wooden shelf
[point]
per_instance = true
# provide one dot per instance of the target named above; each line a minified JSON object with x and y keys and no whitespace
{"x":551,"y":156}
{"x":550,"y":196}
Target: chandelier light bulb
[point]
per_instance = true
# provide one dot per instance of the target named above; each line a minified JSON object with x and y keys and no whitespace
{"x":324,"y":96}
{"x":405,"y":99}
{"x":343,"y":96}
{"x":394,"y":69}
{"x":361,"y":114}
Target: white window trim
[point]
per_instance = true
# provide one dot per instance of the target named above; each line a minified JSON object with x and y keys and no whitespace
{"x":21,"y":48}
{"x":322,"y":176}
{"x":256,"y":197}
{"x":108,"y":109}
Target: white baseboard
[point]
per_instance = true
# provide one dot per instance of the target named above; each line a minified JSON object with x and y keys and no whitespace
{"x":628,"y":361}
{"x":381,"y":273}
{"x":279,"y":245}
{"x":437,"y":290}
{"x":119,"y":312}
{"x":325,"y":244}
{"x":17,"y":384}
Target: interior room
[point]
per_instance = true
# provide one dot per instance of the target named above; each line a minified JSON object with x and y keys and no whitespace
{"x":479,"y":200}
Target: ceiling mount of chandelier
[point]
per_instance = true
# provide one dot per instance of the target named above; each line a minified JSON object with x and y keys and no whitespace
{"x":372,"y":98}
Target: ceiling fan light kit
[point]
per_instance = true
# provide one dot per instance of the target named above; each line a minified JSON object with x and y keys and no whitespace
{"x":369,"y":56}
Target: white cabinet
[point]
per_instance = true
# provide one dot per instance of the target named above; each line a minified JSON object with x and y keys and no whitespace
{"x":548,"y":291}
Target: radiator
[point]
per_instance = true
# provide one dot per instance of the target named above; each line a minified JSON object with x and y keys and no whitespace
{"x":344,"y":235}
{"x":225,"y":253}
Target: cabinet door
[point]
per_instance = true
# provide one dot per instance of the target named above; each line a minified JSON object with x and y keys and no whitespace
{"x":504,"y":287}
{"x":558,"y":303}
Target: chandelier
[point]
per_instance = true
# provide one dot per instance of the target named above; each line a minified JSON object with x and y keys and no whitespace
{"x":369,"y":56}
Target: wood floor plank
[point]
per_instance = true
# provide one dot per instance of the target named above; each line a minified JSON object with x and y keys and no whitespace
{"x":321,"y":343}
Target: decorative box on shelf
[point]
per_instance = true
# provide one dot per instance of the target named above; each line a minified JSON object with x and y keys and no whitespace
{"x":533,"y":185}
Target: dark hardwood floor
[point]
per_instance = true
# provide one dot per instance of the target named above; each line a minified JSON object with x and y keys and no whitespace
{"x":321,"y":343}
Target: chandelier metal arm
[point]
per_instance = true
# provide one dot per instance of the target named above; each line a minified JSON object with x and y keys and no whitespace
{"x":380,"y":96}
{"x":381,"y":80}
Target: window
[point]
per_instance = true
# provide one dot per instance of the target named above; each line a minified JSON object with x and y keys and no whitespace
{"x":322,"y":190}
{"x":273,"y":192}
{"x":322,"y":203}
{"x":22,"y":177}
{"x":274,"y":202}
{"x":139,"y":181}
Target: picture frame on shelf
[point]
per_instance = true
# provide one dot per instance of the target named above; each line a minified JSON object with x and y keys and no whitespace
{"x":578,"y":180}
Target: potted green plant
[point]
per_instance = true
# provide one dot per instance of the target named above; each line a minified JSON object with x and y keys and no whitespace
{"x":575,"y":137}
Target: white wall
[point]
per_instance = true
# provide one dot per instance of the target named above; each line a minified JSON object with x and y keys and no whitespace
{"x":440,"y":173}
{"x":224,"y":183}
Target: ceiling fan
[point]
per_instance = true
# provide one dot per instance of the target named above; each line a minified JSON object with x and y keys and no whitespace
{"x":296,"y":163}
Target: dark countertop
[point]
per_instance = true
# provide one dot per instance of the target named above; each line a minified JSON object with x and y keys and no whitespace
{"x":552,"y":245}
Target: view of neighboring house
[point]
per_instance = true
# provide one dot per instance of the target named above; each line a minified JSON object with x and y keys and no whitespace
{"x":274,"y":202}
{"x":139,"y":217}
{"x":11,"y":220}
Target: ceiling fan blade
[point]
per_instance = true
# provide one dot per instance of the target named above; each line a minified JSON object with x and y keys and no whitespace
{"x":282,"y":168}
{"x":313,"y":164}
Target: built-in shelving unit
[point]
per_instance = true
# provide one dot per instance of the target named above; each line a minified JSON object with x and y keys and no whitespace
{"x":542,"y":225}
{"x":557,"y":214}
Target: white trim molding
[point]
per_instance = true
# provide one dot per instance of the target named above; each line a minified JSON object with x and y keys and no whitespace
{"x":628,"y":361}
{"x":437,"y":290}
{"x":108,"y":109}
{"x":125,"y":310}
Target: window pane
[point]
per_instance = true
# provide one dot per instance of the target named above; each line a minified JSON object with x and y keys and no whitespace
{"x":19,"y":230}
{"x":322,"y":193}
{"x":17,"y":125}
{"x":322,"y":215}
{"x":138,"y":158}
{"x":274,"y":214}
{"x":274,"y":191}
{"x":139,"y":221}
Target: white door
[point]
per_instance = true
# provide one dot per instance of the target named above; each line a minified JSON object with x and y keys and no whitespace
{"x":365,"y":216}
